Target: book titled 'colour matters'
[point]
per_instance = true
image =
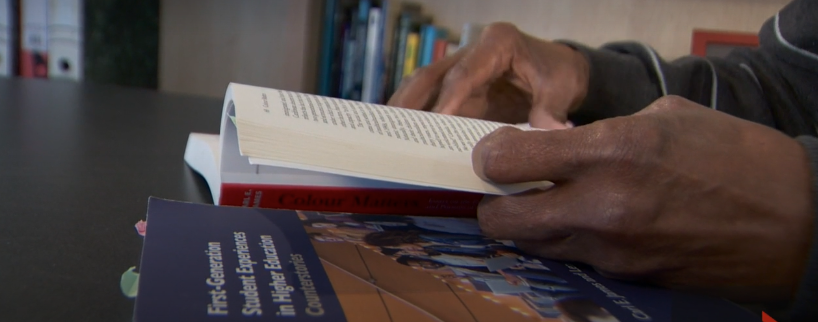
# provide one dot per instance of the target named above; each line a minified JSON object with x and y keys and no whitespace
{"x":282,"y":149}
{"x":216,"y":263}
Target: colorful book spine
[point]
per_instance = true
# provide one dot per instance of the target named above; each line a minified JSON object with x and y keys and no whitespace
{"x":427,"y":45}
{"x":327,"y":48}
{"x":409,"y":63}
{"x":358,"y":200}
{"x":399,"y":50}
{"x":439,"y":51}
{"x":371,"y":58}
{"x":34,"y":40}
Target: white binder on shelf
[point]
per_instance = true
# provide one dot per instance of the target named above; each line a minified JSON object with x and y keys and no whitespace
{"x":7,"y":38}
{"x":65,"y":39}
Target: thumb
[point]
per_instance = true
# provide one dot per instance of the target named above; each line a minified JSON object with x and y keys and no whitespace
{"x":510,"y":155}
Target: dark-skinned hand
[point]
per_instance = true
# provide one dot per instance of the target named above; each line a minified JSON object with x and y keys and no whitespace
{"x":506,"y":76}
{"x":677,"y":195}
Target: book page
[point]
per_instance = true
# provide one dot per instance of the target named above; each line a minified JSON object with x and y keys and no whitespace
{"x":433,"y":130}
{"x":288,"y":129}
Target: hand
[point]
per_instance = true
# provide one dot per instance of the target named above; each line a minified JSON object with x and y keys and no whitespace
{"x":678,"y":195}
{"x":507,"y":76}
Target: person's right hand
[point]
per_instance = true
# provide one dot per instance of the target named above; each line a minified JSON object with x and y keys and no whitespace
{"x":507,"y":76}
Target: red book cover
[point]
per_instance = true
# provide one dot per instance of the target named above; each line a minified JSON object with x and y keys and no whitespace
{"x":352,"y":200}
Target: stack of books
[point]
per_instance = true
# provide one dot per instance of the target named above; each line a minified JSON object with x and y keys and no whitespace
{"x":416,"y":254}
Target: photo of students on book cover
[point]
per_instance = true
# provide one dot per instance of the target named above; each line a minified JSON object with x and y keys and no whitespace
{"x":209,"y":263}
{"x":486,"y":278}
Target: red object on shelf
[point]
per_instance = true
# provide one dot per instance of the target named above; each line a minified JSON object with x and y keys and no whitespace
{"x":703,"y":38}
{"x":439,"y":51}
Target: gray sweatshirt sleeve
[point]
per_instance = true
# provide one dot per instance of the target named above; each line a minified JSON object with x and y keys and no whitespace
{"x":772,"y":85}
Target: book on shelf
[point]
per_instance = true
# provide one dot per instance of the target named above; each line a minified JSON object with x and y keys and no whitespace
{"x":34,"y":38}
{"x":65,"y":39}
{"x":357,"y":63}
{"x":215,"y":263}
{"x":282,"y":149}
{"x":407,"y":21}
{"x":8,"y":37}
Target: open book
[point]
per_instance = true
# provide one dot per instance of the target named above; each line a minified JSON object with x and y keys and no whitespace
{"x":395,"y":160}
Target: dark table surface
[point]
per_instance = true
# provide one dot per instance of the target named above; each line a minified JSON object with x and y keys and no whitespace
{"x":77,"y":165}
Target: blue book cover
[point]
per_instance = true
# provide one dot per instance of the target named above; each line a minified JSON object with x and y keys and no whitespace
{"x":208,"y":263}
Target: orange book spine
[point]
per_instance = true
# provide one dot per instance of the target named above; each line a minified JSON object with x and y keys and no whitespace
{"x":439,"y":51}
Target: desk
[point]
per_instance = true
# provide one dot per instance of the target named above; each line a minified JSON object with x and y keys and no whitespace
{"x":77,"y":165}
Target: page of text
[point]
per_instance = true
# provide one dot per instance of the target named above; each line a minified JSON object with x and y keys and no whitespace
{"x":440,"y":131}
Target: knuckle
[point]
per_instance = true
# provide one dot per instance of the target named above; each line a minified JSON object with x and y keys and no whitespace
{"x":614,"y":218}
{"x":500,"y":31}
{"x":612,"y":140}
{"x":669,"y":102}
{"x":456,"y":74}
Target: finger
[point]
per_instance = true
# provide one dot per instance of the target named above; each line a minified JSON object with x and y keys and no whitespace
{"x":510,"y":155}
{"x":562,"y":250}
{"x":535,"y":215}
{"x":421,"y":88}
{"x":480,"y":65}
{"x":543,"y":118}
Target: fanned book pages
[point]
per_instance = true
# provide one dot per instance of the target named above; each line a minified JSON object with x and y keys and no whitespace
{"x":342,"y":155}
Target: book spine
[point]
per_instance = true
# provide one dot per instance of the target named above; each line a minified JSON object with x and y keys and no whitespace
{"x":6,"y":38}
{"x":34,"y":39}
{"x":347,"y":64}
{"x":427,"y":38}
{"x":336,"y":68}
{"x":470,"y":34}
{"x":327,"y":38}
{"x":360,"y":49}
{"x":380,"y":55}
{"x":369,"y":89}
{"x":440,"y":50}
{"x":353,"y":200}
{"x":400,"y":51}
{"x":65,"y":39}
{"x":411,"y":55}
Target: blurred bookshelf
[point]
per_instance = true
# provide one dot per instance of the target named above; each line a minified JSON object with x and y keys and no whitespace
{"x":102,"y":41}
{"x":364,"y":58}
{"x":368,"y":46}
{"x":354,"y":49}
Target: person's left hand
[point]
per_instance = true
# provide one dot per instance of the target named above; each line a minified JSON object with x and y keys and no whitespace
{"x":678,"y":195}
